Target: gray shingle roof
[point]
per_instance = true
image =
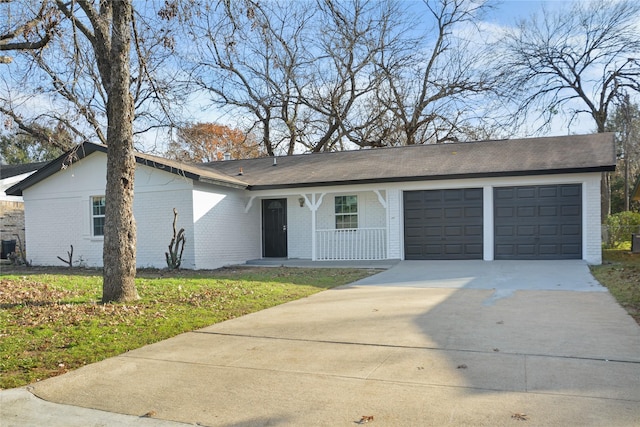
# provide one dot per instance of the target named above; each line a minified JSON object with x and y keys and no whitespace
{"x":7,"y":171}
{"x":548,"y":155}
{"x":532,"y":156}
{"x":191,"y":170}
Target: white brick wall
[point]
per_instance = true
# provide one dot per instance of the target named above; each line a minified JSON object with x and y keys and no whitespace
{"x":298,"y":229}
{"x":58,"y":214}
{"x":370,"y":214}
{"x":52,"y":225}
{"x":218,"y":231}
{"x":591,"y":221}
{"x":396,"y":231}
{"x":224,"y":233}
{"x":153,"y":211}
{"x":393,"y":192}
{"x":592,"y":249}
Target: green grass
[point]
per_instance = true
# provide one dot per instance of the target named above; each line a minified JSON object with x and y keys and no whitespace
{"x":620,"y":273}
{"x":51,"y":320}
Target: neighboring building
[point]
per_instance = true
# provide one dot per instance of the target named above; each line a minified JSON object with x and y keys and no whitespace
{"x":12,"y":207}
{"x":535,"y":198}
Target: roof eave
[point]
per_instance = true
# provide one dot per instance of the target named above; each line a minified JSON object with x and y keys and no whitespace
{"x":87,"y":148}
{"x":221,"y":183}
{"x":189,"y":174}
{"x":166,"y":168}
{"x":433,"y":178}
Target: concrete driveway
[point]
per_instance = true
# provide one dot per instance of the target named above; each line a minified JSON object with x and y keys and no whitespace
{"x":421,"y":344}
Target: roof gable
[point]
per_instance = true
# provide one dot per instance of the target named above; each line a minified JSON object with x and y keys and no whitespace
{"x":78,"y":153}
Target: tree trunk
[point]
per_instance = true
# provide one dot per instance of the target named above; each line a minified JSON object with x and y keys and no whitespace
{"x":119,"y":253}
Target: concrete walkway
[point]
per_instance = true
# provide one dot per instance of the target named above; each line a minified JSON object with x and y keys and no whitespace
{"x":422,"y":344}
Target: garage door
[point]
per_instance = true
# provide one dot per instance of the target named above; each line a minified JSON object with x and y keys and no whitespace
{"x":538,"y":222}
{"x":443,"y":224}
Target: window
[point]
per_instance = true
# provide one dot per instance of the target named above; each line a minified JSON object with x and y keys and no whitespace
{"x":346,"y":212}
{"x":97,"y":215}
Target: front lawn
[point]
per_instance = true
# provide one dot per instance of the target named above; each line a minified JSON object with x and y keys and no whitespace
{"x":51,"y":320}
{"x":620,"y":273}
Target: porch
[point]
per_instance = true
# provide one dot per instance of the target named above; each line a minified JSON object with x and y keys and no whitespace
{"x":307,"y":263}
{"x":351,"y":244}
{"x":333,"y":226}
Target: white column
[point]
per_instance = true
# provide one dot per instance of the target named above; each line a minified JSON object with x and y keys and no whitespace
{"x":487,"y":221}
{"x":385,"y":204}
{"x":313,"y":205}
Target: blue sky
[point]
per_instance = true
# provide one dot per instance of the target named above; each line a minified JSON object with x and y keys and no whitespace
{"x":504,"y":13}
{"x":507,"y":12}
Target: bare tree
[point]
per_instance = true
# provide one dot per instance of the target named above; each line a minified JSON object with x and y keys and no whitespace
{"x":108,"y":32}
{"x":66,"y":76}
{"x":350,"y":38}
{"x":89,"y":72}
{"x":430,"y":86}
{"x":625,"y":122}
{"x":248,"y":58}
{"x":26,"y":26}
{"x":320,"y":75}
{"x":108,"y":29}
{"x":578,"y":61}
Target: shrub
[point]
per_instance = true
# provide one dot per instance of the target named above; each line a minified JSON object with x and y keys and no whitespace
{"x":620,"y":226}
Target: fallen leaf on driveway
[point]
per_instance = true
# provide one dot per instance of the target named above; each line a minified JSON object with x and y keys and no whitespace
{"x":520,"y":416}
{"x":365,"y":419}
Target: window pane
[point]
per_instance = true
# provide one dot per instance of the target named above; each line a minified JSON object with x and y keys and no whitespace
{"x":98,"y":226}
{"x":98,"y":205}
{"x":97,"y":215}
{"x":351,"y":204}
{"x":339,"y":204}
{"x":346,"y":212}
{"x":346,"y":204}
{"x":346,"y":221}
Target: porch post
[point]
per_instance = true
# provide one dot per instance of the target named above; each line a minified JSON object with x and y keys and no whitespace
{"x":313,"y":206}
{"x":385,"y":204}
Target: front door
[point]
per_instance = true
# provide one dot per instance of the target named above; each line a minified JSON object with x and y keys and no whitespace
{"x":274,"y":228}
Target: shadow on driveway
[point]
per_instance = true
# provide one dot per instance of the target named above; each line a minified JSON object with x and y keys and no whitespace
{"x":424,"y":344}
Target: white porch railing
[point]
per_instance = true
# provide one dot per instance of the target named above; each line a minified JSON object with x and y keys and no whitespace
{"x":351,"y":244}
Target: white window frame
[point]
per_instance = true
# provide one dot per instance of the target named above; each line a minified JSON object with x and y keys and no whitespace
{"x":98,"y":215}
{"x":346,"y":214}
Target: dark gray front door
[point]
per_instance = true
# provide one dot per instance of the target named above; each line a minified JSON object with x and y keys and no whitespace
{"x":538,"y":222}
{"x":274,"y":228}
{"x":443,"y":224}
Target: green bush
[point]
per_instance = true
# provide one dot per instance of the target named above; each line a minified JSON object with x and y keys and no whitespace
{"x":619,"y":228}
